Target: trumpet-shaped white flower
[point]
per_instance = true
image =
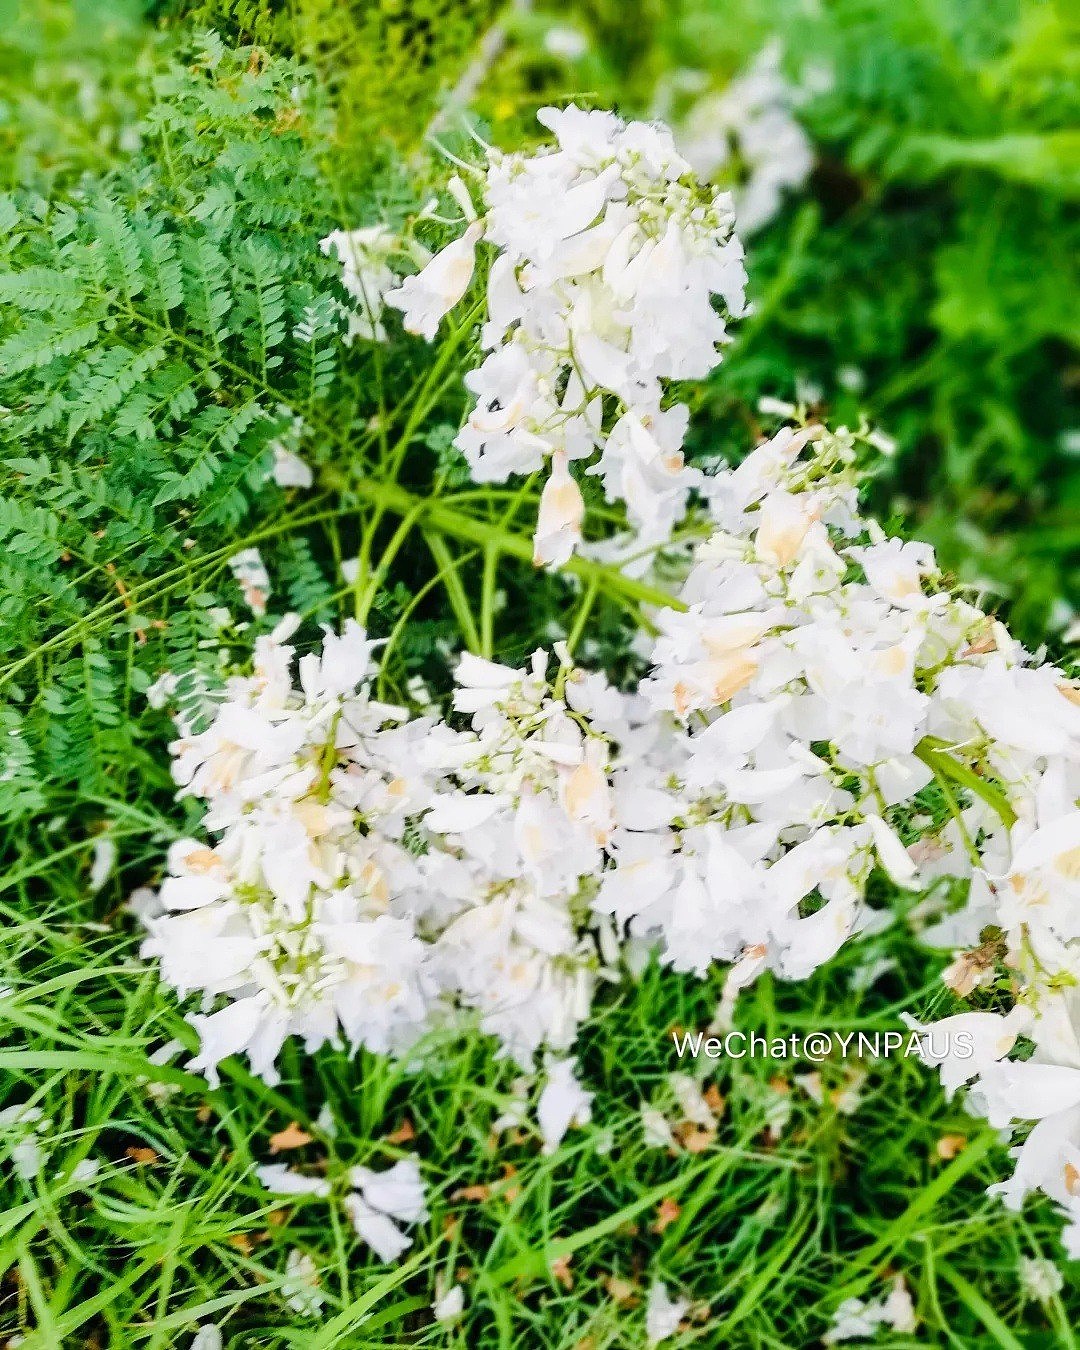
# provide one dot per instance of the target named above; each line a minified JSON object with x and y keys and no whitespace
{"x":428,"y":297}
{"x":562,"y":510}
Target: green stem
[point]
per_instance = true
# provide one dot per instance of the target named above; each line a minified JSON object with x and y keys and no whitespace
{"x":584,"y":610}
{"x":487,"y":601}
{"x":956,"y":813}
{"x":399,"y":627}
{"x":435,"y":515}
{"x":371,"y":589}
{"x":455,"y":591}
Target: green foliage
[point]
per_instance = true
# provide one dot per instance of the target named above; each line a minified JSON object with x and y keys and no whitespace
{"x":155,"y":323}
{"x":73,"y":84}
{"x":792,"y":1207}
{"x":387,"y":63}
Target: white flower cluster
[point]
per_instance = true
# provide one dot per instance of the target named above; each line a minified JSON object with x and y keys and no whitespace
{"x":747,"y":135}
{"x":812,"y":699}
{"x":788,"y":700}
{"x":832,"y":693}
{"x":609,"y":262}
{"x":310,"y":914}
{"x":297,"y":914}
{"x":819,"y":708}
{"x":524,"y":817}
{"x":1021,"y":729}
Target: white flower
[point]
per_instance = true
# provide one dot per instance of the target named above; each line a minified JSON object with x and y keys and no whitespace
{"x":104,"y":861}
{"x":563,"y":1102}
{"x":208,"y":1337}
{"x":300,"y":1288}
{"x":655,"y":1127}
{"x":290,"y":470}
{"x":857,"y":1319}
{"x":662,"y":1313}
{"x":379,"y":1231}
{"x":28,"y":1158}
{"x":562,"y":509}
{"x":366,"y":275}
{"x":26,"y":1125}
{"x":85,"y":1172}
{"x":691,"y":1100}
{"x":282,"y":1180}
{"x":252,"y":577}
{"x":398,"y":1191}
{"x":428,"y":297}
{"x":450,"y":1306}
{"x":968,"y":1044}
{"x":892,"y":854}
{"x":1039,"y":1278}
{"x":381,"y":1202}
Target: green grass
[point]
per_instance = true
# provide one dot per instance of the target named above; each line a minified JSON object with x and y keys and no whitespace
{"x":771,"y":1231}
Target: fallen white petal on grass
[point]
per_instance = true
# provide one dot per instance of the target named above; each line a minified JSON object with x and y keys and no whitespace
{"x":663,"y":1313}
{"x":859,"y":1319}
{"x":450,"y":1306}
{"x":563,"y":1102}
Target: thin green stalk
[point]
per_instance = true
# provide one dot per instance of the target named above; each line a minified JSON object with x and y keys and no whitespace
{"x":402,"y":621}
{"x":455,"y":591}
{"x":367,"y":597}
{"x":582,"y":616}
{"x":487,"y":600}
{"x":434,"y":514}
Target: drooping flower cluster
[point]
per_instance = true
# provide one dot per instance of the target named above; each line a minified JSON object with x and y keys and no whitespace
{"x":834,"y":695}
{"x":1020,"y":725}
{"x":613,"y":271}
{"x":525,"y":819}
{"x":817,"y":708}
{"x":786,"y":710}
